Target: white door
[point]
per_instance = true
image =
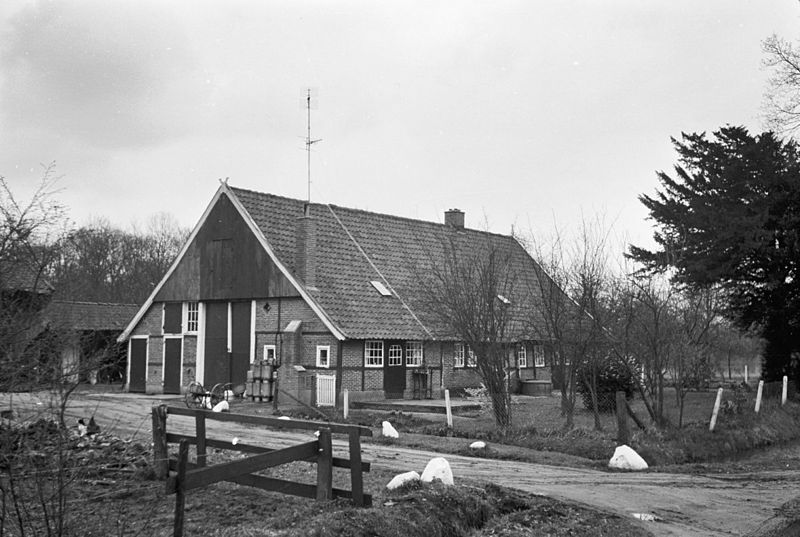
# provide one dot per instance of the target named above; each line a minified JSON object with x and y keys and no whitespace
{"x":326,"y":390}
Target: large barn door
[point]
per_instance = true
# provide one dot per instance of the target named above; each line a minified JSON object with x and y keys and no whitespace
{"x":138,"y":357}
{"x":216,"y":359}
{"x":240,"y":344}
{"x":394,"y":372}
{"x":172,"y":364}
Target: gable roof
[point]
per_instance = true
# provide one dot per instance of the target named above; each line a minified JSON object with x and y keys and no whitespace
{"x":94,"y":316}
{"x":356,"y":247}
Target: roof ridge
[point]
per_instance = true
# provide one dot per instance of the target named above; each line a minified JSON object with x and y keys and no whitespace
{"x":91,"y":303}
{"x":368,"y":212}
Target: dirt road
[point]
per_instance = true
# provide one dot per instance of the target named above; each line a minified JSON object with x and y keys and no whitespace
{"x":685,"y":505}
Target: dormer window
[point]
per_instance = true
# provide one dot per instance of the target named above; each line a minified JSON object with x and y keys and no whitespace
{"x":380,"y":288}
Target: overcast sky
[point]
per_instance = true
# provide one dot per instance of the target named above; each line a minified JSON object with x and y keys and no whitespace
{"x":519,"y":113}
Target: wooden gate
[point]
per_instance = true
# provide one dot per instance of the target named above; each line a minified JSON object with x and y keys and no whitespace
{"x":326,"y":390}
{"x":197,"y":474}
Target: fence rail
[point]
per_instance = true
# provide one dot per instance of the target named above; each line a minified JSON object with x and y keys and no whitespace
{"x":190,"y":475}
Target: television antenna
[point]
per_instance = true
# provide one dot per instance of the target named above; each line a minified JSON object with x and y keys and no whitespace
{"x":309,"y":141}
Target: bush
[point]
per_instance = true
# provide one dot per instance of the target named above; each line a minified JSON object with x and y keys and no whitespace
{"x":612,"y":376}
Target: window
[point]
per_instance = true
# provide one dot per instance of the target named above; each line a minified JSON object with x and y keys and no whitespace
{"x":395,"y":355}
{"x":538,"y":355}
{"x":380,"y":288}
{"x":471,"y":360}
{"x":413,"y":353}
{"x":522,"y":356}
{"x":269,"y":353}
{"x":191,"y":317}
{"x":323,"y":356}
{"x":458,"y":355}
{"x":373,"y":353}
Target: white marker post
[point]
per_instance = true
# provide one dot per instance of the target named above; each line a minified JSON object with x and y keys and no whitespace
{"x":758,"y":395}
{"x":716,"y":411}
{"x":746,"y":377}
{"x":448,"y":409}
{"x":785,"y":387}
{"x":346,"y":403}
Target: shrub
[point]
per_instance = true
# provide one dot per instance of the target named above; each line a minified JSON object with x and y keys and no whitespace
{"x":612,"y":376}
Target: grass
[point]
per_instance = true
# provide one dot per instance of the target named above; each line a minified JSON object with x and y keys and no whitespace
{"x":538,"y":433}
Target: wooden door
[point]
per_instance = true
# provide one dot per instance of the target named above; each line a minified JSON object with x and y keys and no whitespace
{"x":172,"y":364}
{"x":240,"y":344}
{"x":394,"y":372}
{"x":138,"y":366}
{"x":216,"y":359}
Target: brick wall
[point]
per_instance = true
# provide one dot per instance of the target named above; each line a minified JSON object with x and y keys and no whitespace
{"x":155,"y":365}
{"x":150,"y":323}
{"x":189,"y":359}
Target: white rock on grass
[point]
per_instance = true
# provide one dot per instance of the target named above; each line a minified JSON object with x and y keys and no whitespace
{"x":626,"y":458}
{"x":389,"y":431}
{"x":480,"y":444}
{"x":285,"y":418}
{"x":222,"y":406}
{"x":401,"y":479}
{"x":438,"y":468}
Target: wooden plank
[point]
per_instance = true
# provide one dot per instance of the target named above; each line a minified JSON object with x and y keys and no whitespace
{"x":200,"y":432}
{"x":160,"y":455}
{"x":325,"y":466}
{"x":219,"y":472}
{"x":356,"y":478}
{"x":338,"y":428}
{"x":174,"y":438}
{"x":280,"y":486}
{"x":180,"y":489}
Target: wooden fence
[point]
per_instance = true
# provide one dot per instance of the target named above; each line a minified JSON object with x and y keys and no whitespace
{"x":189,"y":475}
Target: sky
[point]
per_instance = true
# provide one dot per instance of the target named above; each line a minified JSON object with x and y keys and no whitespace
{"x":526,"y":115}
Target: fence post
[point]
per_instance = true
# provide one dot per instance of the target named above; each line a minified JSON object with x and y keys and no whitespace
{"x":758,"y":395}
{"x":746,"y":377}
{"x":346,"y":403}
{"x":716,"y":411}
{"x":180,"y":491}
{"x":200,"y":434}
{"x":784,"y":390}
{"x":160,"y":454}
{"x":623,"y":434}
{"x":356,"y":479}
{"x":448,"y":409}
{"x":325,"y":466}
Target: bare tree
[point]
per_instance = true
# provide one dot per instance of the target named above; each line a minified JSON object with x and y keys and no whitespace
{"x":468,"y":289}
{"x":782,"y":98}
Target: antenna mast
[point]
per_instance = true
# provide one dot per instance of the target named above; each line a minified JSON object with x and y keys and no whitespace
{"x":309,"y":141}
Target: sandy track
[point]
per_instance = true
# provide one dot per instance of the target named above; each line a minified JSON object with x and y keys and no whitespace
{"x":707,"y":505}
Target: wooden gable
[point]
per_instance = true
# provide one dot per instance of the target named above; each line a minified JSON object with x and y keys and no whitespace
{"x":225,"y":261}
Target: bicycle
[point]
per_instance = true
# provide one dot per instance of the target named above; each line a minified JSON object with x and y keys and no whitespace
{"x":198,"y":397}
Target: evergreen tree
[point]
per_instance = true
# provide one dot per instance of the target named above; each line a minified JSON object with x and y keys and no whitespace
{"x":730,"y":217}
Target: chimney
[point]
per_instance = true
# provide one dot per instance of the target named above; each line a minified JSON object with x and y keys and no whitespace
{"x":305,"y":253}
{"x":454,"y":218}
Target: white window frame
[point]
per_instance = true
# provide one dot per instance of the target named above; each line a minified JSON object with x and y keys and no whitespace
{"x":522,"y":356}
{"x":538,"y":356}
{"x":458,"y":355}
{"x":373,"y":353}
{"x":414,"y":353}
{"x":186,"y":318}
{"x":327,"y":350}
{"x":395,"y":355}
{"x":273,"y":349}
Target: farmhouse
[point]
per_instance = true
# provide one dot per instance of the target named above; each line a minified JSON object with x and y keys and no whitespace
{"x":330,"y":297}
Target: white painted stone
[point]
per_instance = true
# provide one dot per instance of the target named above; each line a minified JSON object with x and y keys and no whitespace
{"x":222,"y":406}
{"x":401,"y":479}
{"x":479,"y":444}
{"x":626,"y":458}
{"x":235,"y":440}
{"x":287,"y":418}
{"x":390,"y":431}
{"x":438,"y":468}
